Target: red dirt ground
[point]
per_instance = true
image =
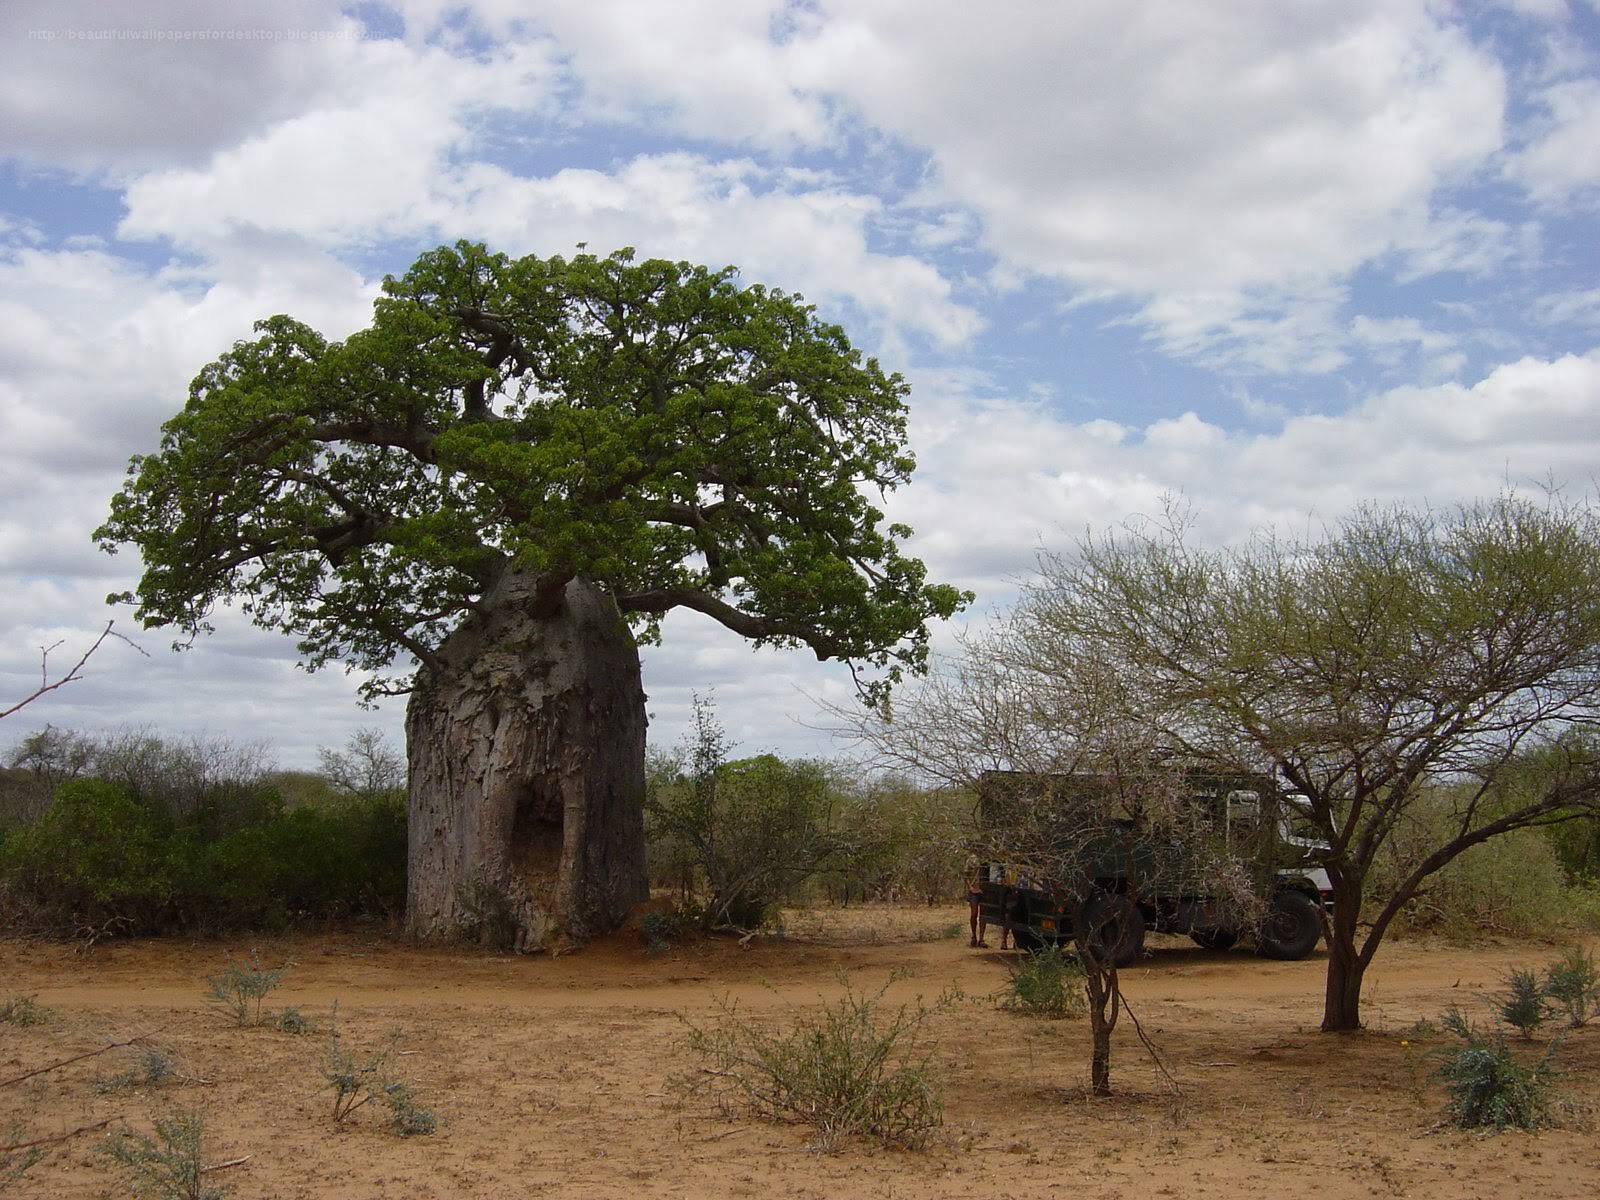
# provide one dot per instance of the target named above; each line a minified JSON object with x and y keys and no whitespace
{"x":552,"y":1076}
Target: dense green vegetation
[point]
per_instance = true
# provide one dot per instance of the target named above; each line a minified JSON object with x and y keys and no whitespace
{"x":131,"y":834}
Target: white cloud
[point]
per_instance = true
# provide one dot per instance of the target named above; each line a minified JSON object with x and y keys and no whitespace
{"x":1562,"y":159}
{"x":93,"y":87}
{"x":997,"y":480}
{"x":374,"y":165}
{"x":1211,"y":156}
{"x":701,"y":68}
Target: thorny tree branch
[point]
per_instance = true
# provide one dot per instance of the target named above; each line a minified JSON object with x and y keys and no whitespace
{"x":47,"y":685}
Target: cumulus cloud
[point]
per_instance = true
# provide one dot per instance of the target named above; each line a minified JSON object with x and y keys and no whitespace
{"x":1206,"y":149}
{"x":1562,"y":159}
{"x":999,"y":479}
{"x":95,"y":88}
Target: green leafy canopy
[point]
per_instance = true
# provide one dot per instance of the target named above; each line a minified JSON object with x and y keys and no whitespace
{"x":652,"y":427}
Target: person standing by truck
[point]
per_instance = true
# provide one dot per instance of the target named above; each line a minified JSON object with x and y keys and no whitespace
{"x":971,"y":880}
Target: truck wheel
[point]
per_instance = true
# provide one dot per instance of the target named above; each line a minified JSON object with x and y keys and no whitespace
{"x":1214,"y":939}
{"x":1292,"y":927}
{"x":1115,"y":928}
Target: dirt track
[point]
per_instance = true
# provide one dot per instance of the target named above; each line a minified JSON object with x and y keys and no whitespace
{"x":551,"y":1076}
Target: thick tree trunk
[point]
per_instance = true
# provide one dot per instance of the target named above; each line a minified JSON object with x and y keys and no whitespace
{"x":526,"y":748}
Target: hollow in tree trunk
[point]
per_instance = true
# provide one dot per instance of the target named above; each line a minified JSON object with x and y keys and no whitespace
{"x":526,"y":795}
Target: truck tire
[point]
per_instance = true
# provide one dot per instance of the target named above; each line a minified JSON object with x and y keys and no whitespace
{"x":1214,"y":939}
{"x":1115,"y":928}
{"x":1027,"y":939}
{"x":1292,"y":927}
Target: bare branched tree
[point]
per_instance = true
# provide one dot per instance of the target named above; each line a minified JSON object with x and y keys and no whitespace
{"x":1067,"y":784}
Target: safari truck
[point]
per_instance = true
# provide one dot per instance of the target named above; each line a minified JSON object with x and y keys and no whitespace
{"x":1122,"y":880}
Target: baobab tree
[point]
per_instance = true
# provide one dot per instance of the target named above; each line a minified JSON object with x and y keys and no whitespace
{"x":492,"y":494}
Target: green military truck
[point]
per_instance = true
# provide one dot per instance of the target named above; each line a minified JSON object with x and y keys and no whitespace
{"x":1122,"y":879}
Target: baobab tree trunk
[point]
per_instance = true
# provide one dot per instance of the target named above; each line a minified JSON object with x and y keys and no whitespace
{"x":526,"y":793}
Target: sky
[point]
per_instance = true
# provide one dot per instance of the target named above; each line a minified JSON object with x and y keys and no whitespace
{"x":1273,"y":258}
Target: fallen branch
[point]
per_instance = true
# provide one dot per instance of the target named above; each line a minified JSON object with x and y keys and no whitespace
{"x":10,"y":1147}
{"x":65,"y":1062}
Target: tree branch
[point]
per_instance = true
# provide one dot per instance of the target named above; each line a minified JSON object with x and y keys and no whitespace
{"x":45,"y":683}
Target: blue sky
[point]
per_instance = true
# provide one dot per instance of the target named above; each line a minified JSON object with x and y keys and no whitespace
{"x":1276,"y":258}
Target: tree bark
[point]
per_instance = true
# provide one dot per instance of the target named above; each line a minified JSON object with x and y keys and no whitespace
{"x":1102,"y":987}
{"x":1341,"y":1009}
{"x":526,"y":794}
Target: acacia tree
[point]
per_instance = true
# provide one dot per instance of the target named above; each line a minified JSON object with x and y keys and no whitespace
{"x":1404,"y":651}
{"x":503,"y":484}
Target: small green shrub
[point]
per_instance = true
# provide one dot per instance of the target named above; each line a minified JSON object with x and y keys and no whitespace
{"x":22,"y":1010}
{"x":660,"y":930}
{"x":357,"y":1082}
{"x":1523,"y":1006}
{"x":240,"y":991}
{"x":168,"y":1166}
{"x":850,"y":1069}
{"x":1044,"y":983}
{"x":291,"y":1020}
{"x":406,"y":1117}
{"x":1573,"y":983}
{"x":152,"y":1067}
{"x":1487,"y":1087}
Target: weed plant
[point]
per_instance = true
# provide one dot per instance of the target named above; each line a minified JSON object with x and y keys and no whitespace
{"x":1487,"y":1087}
{"x":357,"y":1082}
{"x":292,"y":1020}
{"x":1573,"y":985}
{"x":240,"y":991}
{"x":168,"y":1166}
{"x":852,"y":1068}
{"x":1044,"y":983}
{"x":152,"y":1067}
{"x":22,"y":1010}
{"x":660,"y":930}
{"x":1523,"y":1005}
{"x":16,"y":1155}
{"x":407,"y":1118}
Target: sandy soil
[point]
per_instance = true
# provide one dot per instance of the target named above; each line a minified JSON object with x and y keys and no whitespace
{"x":551,"y":1076}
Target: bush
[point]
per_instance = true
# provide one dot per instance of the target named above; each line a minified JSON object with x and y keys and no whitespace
{"x":1512,"y":885}
{"x":1523,"y":1005}
{"x":1574,"y":985}
{"x":169,"y":1165}
{"x":848,"y":1070}
{"x":739,"y":836}
{"x":1044,"y":983}
{"x":99,"y":860}
{"x":241,"y":990}
{"x":95,"y":860}
{"x":1487,"y":1087}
